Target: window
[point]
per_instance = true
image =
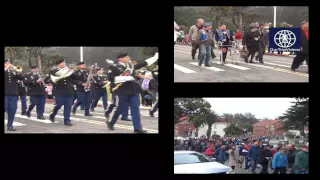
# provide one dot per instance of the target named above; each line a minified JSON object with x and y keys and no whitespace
{"x":215,"y":126}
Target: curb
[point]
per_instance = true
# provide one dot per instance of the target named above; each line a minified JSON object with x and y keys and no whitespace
{"x":49,"y":101}
{"x":269,"y":54}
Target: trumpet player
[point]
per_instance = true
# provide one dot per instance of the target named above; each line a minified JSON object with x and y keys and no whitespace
{"x":63,"y":91}
{"x":36,"y":91}
{"x":22,"y":94}
{"x":84,"y":96}
{"x":99,"y":90}
{"x":11,"y":75}
{"x":127,"y":90}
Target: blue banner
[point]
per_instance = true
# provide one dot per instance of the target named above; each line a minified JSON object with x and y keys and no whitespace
{"x":284,"y":39}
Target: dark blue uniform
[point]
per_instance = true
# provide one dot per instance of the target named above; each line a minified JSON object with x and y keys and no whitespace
{"x":109,"y":109}
{"x":126,"y":92}
{"x":11,"y":95}
{"x":83,"y":96}
{"x":99,"y":91}
{"x":22,"y":93}
{"x":63,"y":92}
{"x":37,"y":94}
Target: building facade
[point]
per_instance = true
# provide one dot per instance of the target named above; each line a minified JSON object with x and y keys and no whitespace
{"x":268,"y":128}
{"x":184,"y":128}
{"x":217,"y":128}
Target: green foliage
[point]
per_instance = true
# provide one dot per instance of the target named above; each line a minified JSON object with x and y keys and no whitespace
{"x":297,"y":116}
{"x":233,"y":130}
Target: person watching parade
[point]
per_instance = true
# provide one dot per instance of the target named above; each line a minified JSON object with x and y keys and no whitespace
{"x":193,"y":33}
{"x":224,"y":36}
{"x":205,"y":39}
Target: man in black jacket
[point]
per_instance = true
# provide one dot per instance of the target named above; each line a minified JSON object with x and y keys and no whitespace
{"x":251,"y":41}
{"x":262,"y":43}
{"x":63,"y":92}
{"x":10,"y":92}
{"x":291,"y":157}
{"x":127,"y":90}
{"x":303,"y":54}
{"x":98,"y":89}
{"x":22,"y":94}
{"x":36,"y":91}
{"x":265,"y":157}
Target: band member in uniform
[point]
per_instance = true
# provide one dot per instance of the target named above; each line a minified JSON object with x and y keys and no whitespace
{"x":153,"y":88}
{"x":36,"y":91}
{"x":22,"y":94}
{"x":124,"y":113}
{"x":127,"y":90}
{"x":99,"y":90}
{"x":84,"y":94}
{"x":63,"y":91}
{"x":11,"y":75}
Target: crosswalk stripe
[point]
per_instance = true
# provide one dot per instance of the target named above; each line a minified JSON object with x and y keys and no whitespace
{"x":288,"y":63}
{"x":33,"y":119}
{"x":277,"y":64}
{"x":262,"y":66}
{"x":183,"y":69}
{"x":15,"y":123}
{"x":86,"y":121}
{"x":233,"y":66}
{"x":141,"y":113}
{"x":210,"y":68}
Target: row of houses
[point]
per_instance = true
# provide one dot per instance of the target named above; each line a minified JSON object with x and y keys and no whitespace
{"x":263,"y":128}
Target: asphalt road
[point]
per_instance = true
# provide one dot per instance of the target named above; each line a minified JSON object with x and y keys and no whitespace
{"x":275,"y":69}
{"x":81,"y":123}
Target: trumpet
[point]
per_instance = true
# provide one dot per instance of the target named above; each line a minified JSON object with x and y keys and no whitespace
{"x":16,"y":69}
{"x":61,"y":74}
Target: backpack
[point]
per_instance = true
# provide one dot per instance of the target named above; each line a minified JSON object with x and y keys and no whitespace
{"x":220,"y":36}
{"x":145,"y":84}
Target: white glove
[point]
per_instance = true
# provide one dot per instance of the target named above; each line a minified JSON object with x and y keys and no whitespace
{"x":153,"y":59}
{"x":109,"y":61}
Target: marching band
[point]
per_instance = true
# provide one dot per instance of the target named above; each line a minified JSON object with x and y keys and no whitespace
{"x":89,"y":86}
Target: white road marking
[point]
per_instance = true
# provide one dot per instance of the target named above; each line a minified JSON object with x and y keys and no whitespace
{"x":141,"y":113}
{"x":210,"y":68}
{"x":183,"y":69}
{"x":14,"y":123}
{"x":233,"y":66}
{"x":277,"y":64}
{"x":287,"y":63}
{"x":259,"y":65}
{"x":34,"y":119}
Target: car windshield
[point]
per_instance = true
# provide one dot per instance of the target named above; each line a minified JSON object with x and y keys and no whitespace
{"x":189,"y":158}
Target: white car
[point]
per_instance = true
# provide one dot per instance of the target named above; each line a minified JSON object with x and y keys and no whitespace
{"x":191,"y":162}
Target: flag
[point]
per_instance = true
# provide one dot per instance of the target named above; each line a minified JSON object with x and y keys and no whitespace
{"x":176,"y":25}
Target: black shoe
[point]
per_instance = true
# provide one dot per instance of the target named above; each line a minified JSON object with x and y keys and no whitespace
{"x":207,"y":65}
{"x":88,"y":115}
{"x":151,"y":113}
{"x":28,"y":114}
{"x":251,"y":61}
{"x":125,"y":119}
{"x":199,"y":64}
{"x":109,"y":126}
{"x":193,"y":58}
{"x":74,"y":110}
{"x":294,"y":70}
{"x":92,"y":110}
{"x":68,"y":124}
{"x":140,"y":131}
{"x":51,"y":119}
{"x":107,"y":116}
{"x":261,"y":62}
{"x":42,"y":118}
{"x":11,"y":129}
{"x":23,"y":113}
{"x":246,"y":60}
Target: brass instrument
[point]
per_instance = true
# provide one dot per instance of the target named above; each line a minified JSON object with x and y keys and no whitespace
{"x":42,"y":82}
{"x":61,"y":74}
{"x":16,"y":69}
{"x":90,"y":79}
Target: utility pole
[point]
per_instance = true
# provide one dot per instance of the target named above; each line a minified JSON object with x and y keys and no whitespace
{"x":274,"y":16}
{"x":81,"y":54}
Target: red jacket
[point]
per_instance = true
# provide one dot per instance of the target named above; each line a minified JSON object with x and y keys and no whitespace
{"x":209,"y":152}
{"x":238,"y":36}
{"x":273,"y":151}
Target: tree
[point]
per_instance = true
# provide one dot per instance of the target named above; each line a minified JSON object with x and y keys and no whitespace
{"x":232,"y":130}
{"x":13,"y":52}
{"x":218,"y":12}
{"x":297,"y":116}
{"x":197,"y":109}
{"x":210,"y":119}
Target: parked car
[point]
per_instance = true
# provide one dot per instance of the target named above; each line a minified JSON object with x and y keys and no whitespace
{"x":191,"y":162}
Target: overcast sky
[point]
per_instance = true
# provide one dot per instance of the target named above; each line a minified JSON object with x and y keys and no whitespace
{"x":260,"y":107}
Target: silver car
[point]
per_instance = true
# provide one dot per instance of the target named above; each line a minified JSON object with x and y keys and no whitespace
{"x":191,"y":162}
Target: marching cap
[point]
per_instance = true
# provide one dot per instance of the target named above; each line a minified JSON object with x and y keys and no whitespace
{"x":303,"y":22}
{"x":122,"y":55}
{"x":80,"y":63}
{"x":34,"y":67}
{"x":59,"y":61}
{"x":6,"y":59}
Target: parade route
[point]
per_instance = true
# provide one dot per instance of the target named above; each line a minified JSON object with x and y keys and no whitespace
{"x":274,"y":69}
{"x":81,"y":124}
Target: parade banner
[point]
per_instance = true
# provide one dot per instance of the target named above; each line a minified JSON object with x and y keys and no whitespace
{"x":284,"y":39}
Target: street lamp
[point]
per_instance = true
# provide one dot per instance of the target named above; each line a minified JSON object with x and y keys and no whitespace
{"x":274,"y":16}
{"x":81,"y":54}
